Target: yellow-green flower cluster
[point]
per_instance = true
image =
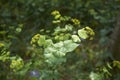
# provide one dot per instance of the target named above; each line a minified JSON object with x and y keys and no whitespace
{"x":62,"y":37}
{"x":90,"y":32}
{"x":35,"y":39}
{"x":56,"y":14}
{"x":16,"y":64}
{"x":75,"y":21}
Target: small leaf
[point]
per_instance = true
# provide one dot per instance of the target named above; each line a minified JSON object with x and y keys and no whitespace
{"x":82,"y":33}
{"x":76,"y":38}
{"x":49,"y":42}
{"x":41,"y":41}
{"x":96,"y":76}
{"x":56,"y":21}
{"x":57,"y":16}
{"x":18,"y":29}
{"x":109,"y":66}
{"x":69,"y":27}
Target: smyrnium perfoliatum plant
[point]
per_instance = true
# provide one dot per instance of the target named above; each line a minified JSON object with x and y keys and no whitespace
{"x":64,"y":39}
{"x":48,"y":52}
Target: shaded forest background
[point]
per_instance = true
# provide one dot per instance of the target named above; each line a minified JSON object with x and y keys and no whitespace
{"x":20,"y":20}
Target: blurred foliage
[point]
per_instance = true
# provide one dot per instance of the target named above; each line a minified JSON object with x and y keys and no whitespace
{"x":20,"y":20}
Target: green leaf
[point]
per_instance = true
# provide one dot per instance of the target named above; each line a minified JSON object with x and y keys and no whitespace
{"x":57,"y":16}
{"x":60,"y":53}
{"x":69,"y":45}
{"x":83,"y":33}
{"x":49,"y":50}
{"x":69,"y":27}
{"x":109,"y":66}
{"x":49,"y":42}
{"x":48,"y":55}
{"x":18,"y":29}
{"x":56,"y":52}
{"x":76,"y":38}
{"x":59,"y":44}
{"x":56,"y":21}
{"x":96,"y":76}
{"x":41,"y":40}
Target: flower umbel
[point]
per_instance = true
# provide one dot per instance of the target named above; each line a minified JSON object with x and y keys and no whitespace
{"x":16,"y":64}
{"x":75,"y":21}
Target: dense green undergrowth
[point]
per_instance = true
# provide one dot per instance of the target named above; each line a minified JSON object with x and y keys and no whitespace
{"x":37,"y":46}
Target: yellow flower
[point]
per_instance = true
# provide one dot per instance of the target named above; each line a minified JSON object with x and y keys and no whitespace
{"x":75,"y":21}
{"x":16,"y":64}
{"x":90,"y":31}
{"x":57,"y":16}
{"x":35,"y":38}
{"x":55,"y":12}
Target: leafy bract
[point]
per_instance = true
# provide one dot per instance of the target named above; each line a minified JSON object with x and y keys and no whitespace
{"x":75,"y":38}
{"x":83,"y":33}
{"x":57,"y":51}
